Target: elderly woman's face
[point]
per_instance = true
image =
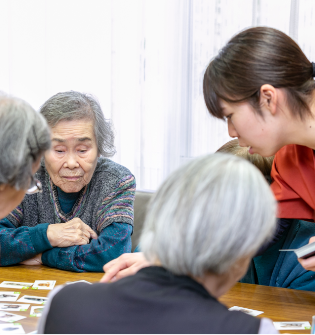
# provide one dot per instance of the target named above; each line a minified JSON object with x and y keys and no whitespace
{"x":72,"y":159}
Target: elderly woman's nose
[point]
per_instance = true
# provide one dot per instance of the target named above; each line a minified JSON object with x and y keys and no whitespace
{"x":71,"y":162}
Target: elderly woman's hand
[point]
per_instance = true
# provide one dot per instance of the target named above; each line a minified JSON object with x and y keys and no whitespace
{"x":308,"y":263}
{"x":73,"y":232}
{"x":124,"y":266}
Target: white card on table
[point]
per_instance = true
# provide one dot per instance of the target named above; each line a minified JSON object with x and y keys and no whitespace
{"x":292,"y":325}
{"x":78,"y":281}
{"x":248,"y":311}
{"x":14,"y":307}
{"x":9,"y":296}
{"x":14,"y":284}
{"x":36,"y":311}
{"x":9,"y":317}
{"x":33,"y":299}
{"x":11,"y":328}
{"x":44,"y":285}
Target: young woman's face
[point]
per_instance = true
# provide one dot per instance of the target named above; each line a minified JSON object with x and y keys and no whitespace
{"x":261,"y":134}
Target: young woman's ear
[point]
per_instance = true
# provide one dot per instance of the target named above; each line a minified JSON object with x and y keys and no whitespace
{"x":269,"y":98}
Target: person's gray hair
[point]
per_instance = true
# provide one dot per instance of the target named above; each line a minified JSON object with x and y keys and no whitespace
{"x":24,"y":137}
{"x":74,"y":105}
{"x":207,"y":215}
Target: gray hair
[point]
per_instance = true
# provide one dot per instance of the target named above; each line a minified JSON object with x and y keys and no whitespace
{"x":24,"y":137}
{"x":77,"y":106}
{"x":207,"y":215}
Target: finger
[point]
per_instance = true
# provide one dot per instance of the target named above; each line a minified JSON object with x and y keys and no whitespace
{"x":109,"y":264}
{"x":308,"y":263}
{"x":312,"y":239}
{"x":91,"y":232}
{"x":82,"y":239}
{"x":127,"y":272}
{"x":112,"y":271}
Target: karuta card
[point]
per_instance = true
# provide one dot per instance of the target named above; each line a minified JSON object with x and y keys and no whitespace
{"x":44,"y":285}
{"x":14,"y":284}
{"x":11,"y":328}
{"x":292,"y":325}
{"x":248,"y":311}
{"x":36,"y":311}
{"x":14,"y":307}
{"x":9,"y":317}
{"x":33,"y":299}
{"x":9,"y":296}
{"x":78,"y":281}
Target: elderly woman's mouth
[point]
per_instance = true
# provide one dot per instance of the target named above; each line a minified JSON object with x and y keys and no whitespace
{"x":72,"y":178}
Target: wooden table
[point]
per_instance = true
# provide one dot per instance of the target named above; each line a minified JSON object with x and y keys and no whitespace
{"x":277,"y":304}
{"x":29,"y":274}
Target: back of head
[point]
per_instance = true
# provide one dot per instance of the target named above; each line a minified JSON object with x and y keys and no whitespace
{"x":74,"y":105}
{"x":207,"y":215}
{"x":24,"y":136}
{"x":264,"y":164}
{"x":255,"y":57}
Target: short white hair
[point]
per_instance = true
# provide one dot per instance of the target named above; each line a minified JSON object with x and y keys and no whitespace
{"x":207,"y":215}
{"x":24,"y":137}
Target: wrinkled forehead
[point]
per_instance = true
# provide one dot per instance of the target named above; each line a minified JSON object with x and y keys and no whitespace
{"x":73,"y":130}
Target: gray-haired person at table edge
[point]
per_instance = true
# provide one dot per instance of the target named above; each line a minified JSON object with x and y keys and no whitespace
{"x":229,"y":212}
{"x":84,"y":194}
{"x":24,"y":137}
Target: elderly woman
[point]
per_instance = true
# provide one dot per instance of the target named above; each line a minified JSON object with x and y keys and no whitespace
{"x":24,"y":137}
{"x":202,"y":228}
{"x":84,"y":215}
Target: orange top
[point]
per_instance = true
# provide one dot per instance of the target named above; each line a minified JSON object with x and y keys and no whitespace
{"x":293,"y":174}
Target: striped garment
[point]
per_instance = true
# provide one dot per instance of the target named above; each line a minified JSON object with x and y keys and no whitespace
{"x":105,"y":204}
{"x":107,"y":198}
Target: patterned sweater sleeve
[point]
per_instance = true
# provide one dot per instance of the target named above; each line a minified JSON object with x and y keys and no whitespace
{"x":114,"y":225}
{"x":19,"y":244}
{"x":113,"y":241}
{"x":117,"y":206}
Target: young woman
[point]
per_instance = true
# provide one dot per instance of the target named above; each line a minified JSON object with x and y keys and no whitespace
{"x":262,"y":84}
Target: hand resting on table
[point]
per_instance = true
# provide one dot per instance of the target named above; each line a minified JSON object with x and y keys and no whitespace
{"x":123,"y":266}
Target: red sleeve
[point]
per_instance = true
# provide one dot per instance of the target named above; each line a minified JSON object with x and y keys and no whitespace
{"x":293,"y":175}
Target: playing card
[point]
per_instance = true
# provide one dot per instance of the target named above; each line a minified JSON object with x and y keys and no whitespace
{"x":9,"y":296}
{"x":14,"y":307}
{"x":33,"y":299}
{"x":248,"y":311}
{"x":12,"y":329}
{"x":14,"y":284}
{"x":292,"y":325}
{"x":36,"y":311}
{"x":78,"y":281}
{"x":9,"y":317}
{"x":44,"y":285}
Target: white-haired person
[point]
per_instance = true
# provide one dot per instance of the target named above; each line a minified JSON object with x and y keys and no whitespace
{"x":203,"y":226}
{"x":24,"y":137}
{"x":83,"y":217}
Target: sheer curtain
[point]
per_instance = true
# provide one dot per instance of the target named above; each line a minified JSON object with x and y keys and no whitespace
{"x":143,"y":59}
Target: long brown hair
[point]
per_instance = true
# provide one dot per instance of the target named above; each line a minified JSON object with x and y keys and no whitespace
{"x":255,"y":57}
